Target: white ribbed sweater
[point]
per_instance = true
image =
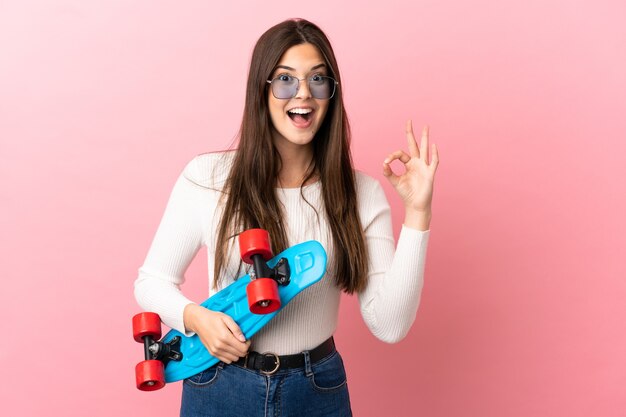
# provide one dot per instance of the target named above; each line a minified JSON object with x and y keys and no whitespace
{"x":388,"y":305}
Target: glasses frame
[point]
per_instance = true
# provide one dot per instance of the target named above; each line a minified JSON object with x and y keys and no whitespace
{"x":335,"y":84}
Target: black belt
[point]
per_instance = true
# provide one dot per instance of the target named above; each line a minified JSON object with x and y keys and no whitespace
{"x":269,"y":363}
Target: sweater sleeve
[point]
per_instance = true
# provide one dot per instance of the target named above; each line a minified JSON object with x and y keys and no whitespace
{"x":179,"y":236}
{"x":396,"y":274}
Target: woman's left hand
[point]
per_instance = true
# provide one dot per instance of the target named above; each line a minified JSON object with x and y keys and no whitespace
{"x":415,"y":185}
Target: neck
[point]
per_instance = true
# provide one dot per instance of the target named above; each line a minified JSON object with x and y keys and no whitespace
{"x":296,"y":162}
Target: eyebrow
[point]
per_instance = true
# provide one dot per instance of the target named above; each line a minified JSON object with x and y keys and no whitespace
{"x":293,"y":69}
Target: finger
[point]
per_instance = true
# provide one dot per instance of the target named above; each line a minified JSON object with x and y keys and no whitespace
{"x":410,"y":138}
{"x":389,"y":174}
{"x":234,"y":328}
{"x":401,"y":155}
{"x":221,"y":350}
{"x":229,"y":348}
{"x":434,"y":158}
{"x":227,"y":358}
{"x":424,"y":143}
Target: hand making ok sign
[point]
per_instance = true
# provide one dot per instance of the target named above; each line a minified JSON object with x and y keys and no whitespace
{"x":415,"y":185}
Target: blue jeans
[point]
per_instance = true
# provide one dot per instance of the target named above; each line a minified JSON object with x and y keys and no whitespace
{"x":318,"y":389}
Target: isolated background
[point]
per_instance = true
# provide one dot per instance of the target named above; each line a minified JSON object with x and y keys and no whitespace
{"x":102,"y":103}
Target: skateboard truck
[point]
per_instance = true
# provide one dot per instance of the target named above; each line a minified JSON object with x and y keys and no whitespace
{"x":281,"y":273}
{"x":162,"y":351}
{"x":149,"y":374}
{"x":255,"y":249}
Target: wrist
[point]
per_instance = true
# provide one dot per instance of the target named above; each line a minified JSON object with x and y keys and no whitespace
{"x":189,"y":316}
{"x":418,"y":219}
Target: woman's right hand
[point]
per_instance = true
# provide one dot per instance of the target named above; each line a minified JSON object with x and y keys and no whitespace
{"x":218,"y":332}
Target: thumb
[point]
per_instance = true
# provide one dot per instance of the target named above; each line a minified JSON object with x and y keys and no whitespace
{"x":234,"y":328}
{"x":389,"y":174}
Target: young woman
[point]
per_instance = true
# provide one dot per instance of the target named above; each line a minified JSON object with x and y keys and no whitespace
{"x":291,"y":175}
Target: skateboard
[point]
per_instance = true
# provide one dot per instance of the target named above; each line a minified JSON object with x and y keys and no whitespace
{"x":252,"y":301}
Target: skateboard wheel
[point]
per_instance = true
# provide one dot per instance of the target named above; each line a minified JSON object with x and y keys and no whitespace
{"x":263,"y":296}
{"x":146,"y":324}
{"x":150,"y":375}
{"x":254,"y":242}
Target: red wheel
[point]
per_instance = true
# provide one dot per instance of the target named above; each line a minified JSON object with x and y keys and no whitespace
{"x":149,"y":375}
{"x":253,"y":242}
{"x":146,"y":324}
{"x":263,"y":296}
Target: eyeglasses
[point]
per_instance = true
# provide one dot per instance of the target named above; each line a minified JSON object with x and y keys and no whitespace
{"x":286,"y":86}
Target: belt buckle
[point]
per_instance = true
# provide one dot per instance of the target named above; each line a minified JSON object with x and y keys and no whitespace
{"x":276,"y":361}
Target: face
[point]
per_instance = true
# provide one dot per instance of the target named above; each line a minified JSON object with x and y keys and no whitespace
{"x":295,"y":121}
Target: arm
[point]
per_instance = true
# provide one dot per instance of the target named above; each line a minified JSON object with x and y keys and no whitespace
{"x":175,"y":244}
{"x":389,"y":304}
{"x":396,"y":274}
{"x":180,"y":235}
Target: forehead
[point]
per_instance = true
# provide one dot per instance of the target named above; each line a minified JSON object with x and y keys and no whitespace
{"x":302,"y":57}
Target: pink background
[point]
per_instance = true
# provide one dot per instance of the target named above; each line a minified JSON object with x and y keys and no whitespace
{"x":523,"y":311}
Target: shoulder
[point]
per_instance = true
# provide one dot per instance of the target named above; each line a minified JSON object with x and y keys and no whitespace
{"x":209,"y":170}
{"x":371,"y":199}
{"x":367,"y":186}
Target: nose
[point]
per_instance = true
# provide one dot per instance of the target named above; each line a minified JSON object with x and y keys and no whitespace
{"x":303,"y":89}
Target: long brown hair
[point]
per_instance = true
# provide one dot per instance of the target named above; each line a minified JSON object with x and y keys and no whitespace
{"x":250,"y":198}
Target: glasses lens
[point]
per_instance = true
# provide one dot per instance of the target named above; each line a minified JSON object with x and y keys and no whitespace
{"x":322,"y":87}
{"x":284,"y":86}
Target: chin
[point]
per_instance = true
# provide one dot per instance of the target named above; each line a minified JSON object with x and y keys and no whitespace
{"x":295,"y":138}
{"x":302,"y":141}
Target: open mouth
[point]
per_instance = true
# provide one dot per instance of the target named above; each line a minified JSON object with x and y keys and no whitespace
{"x":300,"y":117}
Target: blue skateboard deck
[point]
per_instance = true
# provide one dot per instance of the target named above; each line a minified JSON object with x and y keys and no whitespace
{"x":307,"y":262}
